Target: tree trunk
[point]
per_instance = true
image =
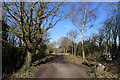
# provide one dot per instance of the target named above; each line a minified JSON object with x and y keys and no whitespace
{"x":72,"y":49}
{"x":28,"y":59}
{"x":83,"y":52}
{"x":75,"y":50}
{"x":114,"y":48}
{"x":119,"y":46}
{"x":66,"y":50}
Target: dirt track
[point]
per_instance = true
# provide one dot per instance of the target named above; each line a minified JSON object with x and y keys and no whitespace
{"x":59,"y":68}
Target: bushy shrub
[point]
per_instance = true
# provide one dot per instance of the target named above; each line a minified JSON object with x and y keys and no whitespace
{"x":12,"y":58}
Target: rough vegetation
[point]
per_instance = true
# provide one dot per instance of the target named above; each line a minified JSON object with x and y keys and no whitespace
{"x":31,"y":71}
{"x":26,"y":38}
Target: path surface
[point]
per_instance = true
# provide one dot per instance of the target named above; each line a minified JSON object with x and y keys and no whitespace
{"x":62,"y":69}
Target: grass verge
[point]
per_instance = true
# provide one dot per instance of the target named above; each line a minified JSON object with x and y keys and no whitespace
{"x":26,"y":72}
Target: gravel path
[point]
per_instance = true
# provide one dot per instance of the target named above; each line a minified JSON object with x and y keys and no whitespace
{"x":61,"y":69}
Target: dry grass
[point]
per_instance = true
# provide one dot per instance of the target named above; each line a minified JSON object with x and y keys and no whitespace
{"x":111,"y":67}
{"x":73,"y":59}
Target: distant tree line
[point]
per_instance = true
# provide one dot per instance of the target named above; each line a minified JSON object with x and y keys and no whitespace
{"x":106,"y":41}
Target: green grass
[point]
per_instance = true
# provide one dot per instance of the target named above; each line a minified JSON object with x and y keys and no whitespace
{"x":65,"y":57}
{"x":92,"y":75}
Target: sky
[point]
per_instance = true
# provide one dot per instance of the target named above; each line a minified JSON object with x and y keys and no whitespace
{"x":63,"y":27}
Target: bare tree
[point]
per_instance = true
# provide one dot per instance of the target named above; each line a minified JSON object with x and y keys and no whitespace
{"x":64,"y":43}
{"x":81,"y":17}
{"x":99,"y":39}
{"x":72,"y":34}
{"x":115,"y":10}
{"x":32,"y":20}
{"x":111,"y":32}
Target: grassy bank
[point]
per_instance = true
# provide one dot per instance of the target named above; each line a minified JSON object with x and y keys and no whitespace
{"x":30,"y":72}
{"x":111,"y":68}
